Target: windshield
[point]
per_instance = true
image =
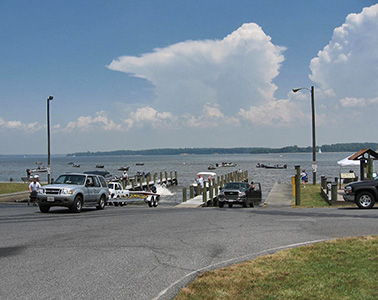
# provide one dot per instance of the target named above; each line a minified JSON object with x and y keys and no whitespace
{"x":70,"y":179}
{"x":235,"y":185}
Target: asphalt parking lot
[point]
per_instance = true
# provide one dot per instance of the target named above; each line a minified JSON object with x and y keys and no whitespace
{"x":149,"y":253}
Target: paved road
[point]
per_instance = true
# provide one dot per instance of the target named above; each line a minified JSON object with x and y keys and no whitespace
{"x":149,"y":253}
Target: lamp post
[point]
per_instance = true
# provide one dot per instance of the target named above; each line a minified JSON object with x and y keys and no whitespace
{"x":48,"y":139}
{"x":314,"y":166}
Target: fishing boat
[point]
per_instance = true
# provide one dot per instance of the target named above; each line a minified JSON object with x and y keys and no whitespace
{"x":76,"y":165}
{"x":99,"y":166}
{"x":139,"y":164}
{"x":227,"y":164}
{"x":40,"y":169}
{"x":268,"y":166}
{"x":124,"y":168}
{"x":211,"y":167}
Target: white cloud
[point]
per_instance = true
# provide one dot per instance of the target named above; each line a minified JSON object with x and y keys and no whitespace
{"x":273,"y":113}
{"x":352,"y":102}
{"x":19,"y":126}
{"x":88,"y":123}
{"x":347,"y":67}
{"x":231,"y":73}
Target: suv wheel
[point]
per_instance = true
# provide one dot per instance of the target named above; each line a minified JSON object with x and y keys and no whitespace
{"x":44,"y":208}
{"x":77,"y":205}
{"x":101,"y":203}
{"x":365,"y":200}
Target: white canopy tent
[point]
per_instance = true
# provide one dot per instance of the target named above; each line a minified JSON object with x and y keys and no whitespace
{"x":346,"y":162}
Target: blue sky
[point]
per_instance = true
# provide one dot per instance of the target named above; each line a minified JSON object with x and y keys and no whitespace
{"x":162,"y":74}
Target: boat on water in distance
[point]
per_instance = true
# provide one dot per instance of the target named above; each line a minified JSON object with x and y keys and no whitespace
{"x":268,"y":166}
{"x":99,"y":166}
{"x":40,"y":169}
{"x":124,"y":168}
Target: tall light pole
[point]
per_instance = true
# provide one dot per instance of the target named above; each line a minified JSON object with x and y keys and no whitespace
{"x":314,"y":166}
{"x":48,"y":139}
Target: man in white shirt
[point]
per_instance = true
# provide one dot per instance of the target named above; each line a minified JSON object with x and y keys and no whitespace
{"x":34,"y":187}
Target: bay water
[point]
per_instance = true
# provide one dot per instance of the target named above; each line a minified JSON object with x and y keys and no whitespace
{"x":187,"y":166}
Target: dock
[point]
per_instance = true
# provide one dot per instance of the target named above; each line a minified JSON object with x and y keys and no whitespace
{"x":144,"y":183}
{"x":207,"y":196}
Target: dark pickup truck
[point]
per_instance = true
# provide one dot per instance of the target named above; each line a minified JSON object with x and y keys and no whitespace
{"x":363,"y":193}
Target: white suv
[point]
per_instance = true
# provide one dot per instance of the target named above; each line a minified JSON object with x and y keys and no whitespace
{"x":74,"y":190}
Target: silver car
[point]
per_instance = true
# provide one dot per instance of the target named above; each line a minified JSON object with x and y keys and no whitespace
{"x":74,"y":190}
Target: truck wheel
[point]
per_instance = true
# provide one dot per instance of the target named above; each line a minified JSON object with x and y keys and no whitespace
{"x":245,"y":203}
{"x":365,"y":200}
{"x":230,"y":205}
{"x":221,"y":204}
{"x":77,"y":205}
{"x":44,"y":208}
{"x":101,"y":203}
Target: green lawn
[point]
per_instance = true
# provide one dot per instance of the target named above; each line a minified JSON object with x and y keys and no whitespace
{"x":310,"y":196}
{"x":339,"y":269}
{"x":12,"y":187}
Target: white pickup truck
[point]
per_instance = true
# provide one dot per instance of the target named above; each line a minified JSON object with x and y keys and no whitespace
{"x":119,"y":196}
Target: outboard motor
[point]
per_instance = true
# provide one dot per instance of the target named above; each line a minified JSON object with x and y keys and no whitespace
{"x":153,"y":189}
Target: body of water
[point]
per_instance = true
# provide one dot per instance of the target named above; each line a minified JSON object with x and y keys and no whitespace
{"x":187,"y":166}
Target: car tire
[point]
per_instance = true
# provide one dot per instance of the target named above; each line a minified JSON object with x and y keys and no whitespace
{"x":230,"y":205}
{"x":251,"y":204}
{"x":365,"y":200}
{"x":44,"y":208}
{"x":245,"y":203}
{"x":101,"y":203}
{"x":77,"y":205}
{"x":221,"y":204}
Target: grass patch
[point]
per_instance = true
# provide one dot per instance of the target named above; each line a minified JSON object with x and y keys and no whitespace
{"x":311,"y":197}
{"x":12,"y":187}
{"x":340,"y":269}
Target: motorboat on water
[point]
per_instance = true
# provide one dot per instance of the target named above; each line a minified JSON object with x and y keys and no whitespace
{"x":139,"y":164}
{"x":40,"y":169}
{"x":226,"y":164}
{"x":268,"y":166}
{"x":76,"y":165}
{"x":124,"y":168}
{"x":211,"y":167}
{"x":99,"y":166}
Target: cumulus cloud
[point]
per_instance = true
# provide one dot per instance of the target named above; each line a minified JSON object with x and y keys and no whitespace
{"x":281,"y":112}
{"x":347,"y":67}
{"x":19,"y":126}
{"x":230,"y":73}
{"x":87,"y":123}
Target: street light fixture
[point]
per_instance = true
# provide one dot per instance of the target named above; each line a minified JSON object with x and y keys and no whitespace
{"x":314,"y":167}
{"x":48,"y":139}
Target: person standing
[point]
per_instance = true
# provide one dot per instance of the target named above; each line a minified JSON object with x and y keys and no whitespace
{"x":34,"y":187}
{"x":304,"y":177}
{"x":125,"y":179}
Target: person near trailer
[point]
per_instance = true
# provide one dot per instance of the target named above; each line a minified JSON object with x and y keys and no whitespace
{"x":34,"y":187}
{"x":125,"y":178}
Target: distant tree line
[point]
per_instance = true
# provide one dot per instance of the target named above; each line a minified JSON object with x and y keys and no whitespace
{"x":348,"y":147}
